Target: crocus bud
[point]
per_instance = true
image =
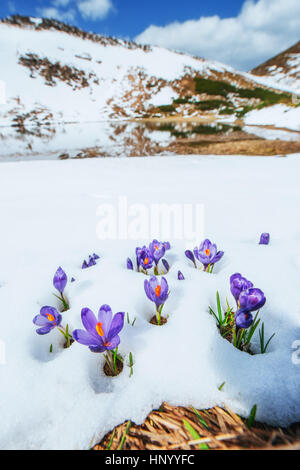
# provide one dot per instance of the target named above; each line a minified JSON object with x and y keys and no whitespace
{"x":95,"y":256}
{"x":129,"y":264}
{"x":92,"y":262}
{"x":238,"y":284}
{"x":166,"y":265}
{"x":72,"y":280}
{"x":251,"y":300}
{"x":84,"y":265}
{"x":60,"y":280}
{"x":264,"y":239}
{"x":180,"y":276}
{"x":189,"y":254}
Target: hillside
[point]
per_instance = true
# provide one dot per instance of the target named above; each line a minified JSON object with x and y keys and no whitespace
{"x":58,"y":73}
{"x":284,"y":68}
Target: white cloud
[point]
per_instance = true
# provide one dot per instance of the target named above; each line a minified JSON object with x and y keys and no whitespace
{"x":262,"y":29}
{"x":61,"y":3}
{"x":55,"y":13}
{"x":95,"y":9}
{"x":65,"y":10}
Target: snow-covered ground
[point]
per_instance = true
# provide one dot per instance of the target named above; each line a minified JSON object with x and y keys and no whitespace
{"x":278,"y":116}
{"x":50,"y":212}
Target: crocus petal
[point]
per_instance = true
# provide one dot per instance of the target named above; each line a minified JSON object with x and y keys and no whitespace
{"x":164,"y":288}
{"x":98,"y":349}
{"x":217,"y":257}
{"x":116,"y":325}
{"x":149,"y":290}
{"x":180,"y":276}
{"x":45,"y":311}
{"x":44,"y":330}
{"x":83,"y":337}
{"x":105,"y":317}
{"x":243,"y":319}
{"x":40,"y":320}
{"x":129,"y":264}
{"x":252,"y":299}
{"x":153,"y":282}
{"x":84,"y":265}
{"x":166,"y":265}
{"x":113,"y":343}
{"x":89,"y":320}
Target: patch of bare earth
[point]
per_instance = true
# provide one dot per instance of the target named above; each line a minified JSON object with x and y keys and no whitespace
{"x":180,"y":428}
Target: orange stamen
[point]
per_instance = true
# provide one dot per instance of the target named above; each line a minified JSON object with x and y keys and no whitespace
{"x":50,"y":317}
{"x":156,"y":247}
{"x":99,"y":329}
{"x":157,"y":291}
{"x":207,"y":252}
{"x":146,"y":260}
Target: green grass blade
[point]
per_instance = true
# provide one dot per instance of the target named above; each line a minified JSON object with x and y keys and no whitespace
{"x":111,"y":440}
{"x":221,"y":386}
{"x":195,"y":436}
{"x":252,"y":417}
{"x":200,"y":418}
{"x":124,"y":436}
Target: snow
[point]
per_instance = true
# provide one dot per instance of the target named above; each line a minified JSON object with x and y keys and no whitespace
{"x":272,"y":134}
{"x":278,"y":116}
{"x":123,"y":75}
{"x":165,"y":96}
{"x":111,"y":63}
{"x":50,"y":216}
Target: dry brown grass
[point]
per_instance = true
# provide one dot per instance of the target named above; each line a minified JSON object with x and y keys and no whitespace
{"x":243,"y":147}
{"x":217,"y":428}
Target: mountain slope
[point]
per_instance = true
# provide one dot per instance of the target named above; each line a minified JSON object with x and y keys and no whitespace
{"x":283,"y":68}
{"x":58,"y":73}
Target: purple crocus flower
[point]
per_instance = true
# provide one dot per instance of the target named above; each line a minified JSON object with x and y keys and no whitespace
{"x":144,"y":257}
{"x":95,"y":256}
{"x":238,"y":284}
{"x":180,"y":276}
{"x":60,"y":280}
{"x":84,"y":265}
{"x":189,"y":254}
{"x":264,"y":239}
{"x":92,"y":262}
{"x":208,"y":254}
{"x":47,"y":319}
{"x":129,"y":264}
{"x":157,"y":293}
{"x":100,"y":334}
{"x":157,"y":250}
{"x":251,"y":300}
{"x":243,"y":319}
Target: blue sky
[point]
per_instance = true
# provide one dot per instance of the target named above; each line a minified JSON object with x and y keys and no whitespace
{"x":241,"y":33}
{"x":129,"y":18}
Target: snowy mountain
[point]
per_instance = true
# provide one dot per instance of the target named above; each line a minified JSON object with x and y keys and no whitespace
{"x":283,"y":68}
{"x":58,"y":73}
